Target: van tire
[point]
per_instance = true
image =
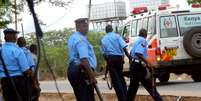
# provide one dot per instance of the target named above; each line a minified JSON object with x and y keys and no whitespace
{"x":164,"y":77}
{"x":192,"y":42}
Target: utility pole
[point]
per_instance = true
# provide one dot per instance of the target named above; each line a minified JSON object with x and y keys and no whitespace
{"x":22,"y":29}
{"x":89,"y":13}
{"x":115,"y":14}
{"x":115,"y":8}
{"x":15,"y":12}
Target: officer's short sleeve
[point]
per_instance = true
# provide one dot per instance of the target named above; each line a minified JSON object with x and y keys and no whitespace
{"x":122,"y":42}
{"x":102,"y":47}
{"x":30,"y":59}
{"x":23,"y":63}
{"x":141,"y":47}
{"x":82,"y":48}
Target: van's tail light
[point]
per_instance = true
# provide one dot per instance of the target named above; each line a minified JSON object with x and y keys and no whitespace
{"x":158,"y":54}
{"x":158,"y":51}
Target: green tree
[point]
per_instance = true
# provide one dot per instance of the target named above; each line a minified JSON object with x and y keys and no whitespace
{"x":7,"y":9}
{"x":194,"y":1}
{"x":56,"y":50}
{"x":55,"y":46}
{"x":4,"y":13}
{"x":95,"y":40}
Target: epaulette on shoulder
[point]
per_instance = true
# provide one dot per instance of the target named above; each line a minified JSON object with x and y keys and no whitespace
{"x":79,"y":39}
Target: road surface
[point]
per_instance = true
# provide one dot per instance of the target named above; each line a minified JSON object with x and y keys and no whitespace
{"x":175,"y":88}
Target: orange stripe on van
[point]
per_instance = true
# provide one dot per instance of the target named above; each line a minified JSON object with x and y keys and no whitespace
{"x":152,"y":55}
{"x":152,"y":51}
{"x":154,"y":43}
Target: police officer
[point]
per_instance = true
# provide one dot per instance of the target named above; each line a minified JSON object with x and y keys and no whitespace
{"x":18,"y":68}
{"x":34,"y":94}
{"x":138,"y":70}
{"x":82,"y":62}
{"x":114,"y":48}
{"x":33,"y":50}
{"x":22,"y":44}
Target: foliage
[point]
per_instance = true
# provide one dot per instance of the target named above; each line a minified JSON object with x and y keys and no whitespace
{"x":95,"y":39}
{"x":56,"y":50}
{"x":7,"y":9}
{"x":55,"y":46}
{"x":194,"y":1}
{"x":4,"y":13}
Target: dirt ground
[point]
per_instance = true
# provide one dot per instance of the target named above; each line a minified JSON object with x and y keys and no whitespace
{"x":112,"y":97}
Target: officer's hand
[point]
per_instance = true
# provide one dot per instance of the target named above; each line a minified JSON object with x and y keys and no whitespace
{"x":150,"y":66}
{"x":130,"y":61}
{"x":92,"y":79}
{"x":28,"y":73}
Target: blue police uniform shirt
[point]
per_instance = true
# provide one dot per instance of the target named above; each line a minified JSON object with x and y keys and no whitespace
{"x":15,"y":60}
{"x":79,"y":48}
{"x":113,"y":44}
{"x":29,"y":57}
{"x":139,"y":46}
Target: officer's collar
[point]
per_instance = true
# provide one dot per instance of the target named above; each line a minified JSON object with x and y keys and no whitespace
{"x":110,"y":32}
{"x":141,"y":37}
{"x":10,"y":43}
{"x":80,"y":33}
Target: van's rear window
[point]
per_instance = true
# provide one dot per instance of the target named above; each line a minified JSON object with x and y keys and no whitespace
{"x":187,"y":22}
{"x":168,"y":27}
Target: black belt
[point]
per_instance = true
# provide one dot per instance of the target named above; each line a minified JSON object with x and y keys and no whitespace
{"x":138,"y":61}
{"x":14,"y":77}
{"x":73,"y":63}
{"x":114,"y":56}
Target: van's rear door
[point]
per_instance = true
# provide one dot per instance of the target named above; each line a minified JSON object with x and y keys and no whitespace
{"x":169,"y":38}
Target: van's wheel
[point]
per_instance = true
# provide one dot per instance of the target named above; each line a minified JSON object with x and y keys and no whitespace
{"x":192,"y":42}
{"x":164,"y":77}
{"x":196,"y":74}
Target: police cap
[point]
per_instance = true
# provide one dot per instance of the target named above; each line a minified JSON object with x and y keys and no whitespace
{"x":81,"y":20}
{"x":10,"y":31}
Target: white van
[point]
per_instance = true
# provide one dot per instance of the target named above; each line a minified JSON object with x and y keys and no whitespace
{"x":174,"y":38}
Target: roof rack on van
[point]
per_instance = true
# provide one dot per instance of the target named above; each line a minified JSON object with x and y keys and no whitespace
{"x":183,"y":11}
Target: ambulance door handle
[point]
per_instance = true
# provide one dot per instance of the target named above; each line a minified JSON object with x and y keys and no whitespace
{"x":159,"y":42}
{"x":175,"y":40}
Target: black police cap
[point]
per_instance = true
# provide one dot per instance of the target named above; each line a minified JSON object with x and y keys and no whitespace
{"x":10,"y":31}
{"x":81,"y":20}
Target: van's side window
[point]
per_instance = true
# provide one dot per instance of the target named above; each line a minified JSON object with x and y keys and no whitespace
{"x":187,"y":22}
{"x":145,"y":23}
{"x":126,"y":31}
{"x":168,"y":27}
{"x":139,"y":25}
{"x":151,"y":25}
{"x":120,"y":30}
{"x":134,"y":28}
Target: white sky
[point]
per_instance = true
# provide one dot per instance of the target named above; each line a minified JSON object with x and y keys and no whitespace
{"x":58,"y":18}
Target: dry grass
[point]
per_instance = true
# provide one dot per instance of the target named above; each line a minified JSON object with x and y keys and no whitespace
{"x":112,"y":97}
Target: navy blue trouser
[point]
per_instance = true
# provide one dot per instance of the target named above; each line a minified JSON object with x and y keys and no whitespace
{"x":23,"y":85}
{"x":82,"y":90}
{"x":115,"y":64}
{"x":138,"y":73}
